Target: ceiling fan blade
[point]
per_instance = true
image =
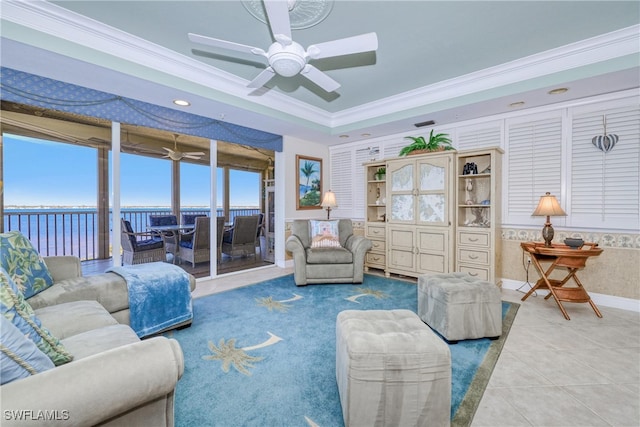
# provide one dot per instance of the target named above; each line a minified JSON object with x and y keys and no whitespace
{"x":189,"y":156}
{"x":262,"y":78}
{"x":210,"y":41}
{"x":278,"y":13}
{"x":356,"y":44}
{"x":194,"y":153}
{"x":319,"y":78}
{"x":167,"y":149}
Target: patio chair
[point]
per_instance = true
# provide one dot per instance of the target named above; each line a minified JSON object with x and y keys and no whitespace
{"x":190,"y":219}
{"x":241,"y":239}
{"x":170,"y":238}
{"x":219,"y":235}
{"x":260,"y":232}
{"x":139,"y":251}
{"x":196,"y":249}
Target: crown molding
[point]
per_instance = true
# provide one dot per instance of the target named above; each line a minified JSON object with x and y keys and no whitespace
{"x":56,"y":21}
{"x":586,"y":52}
{"x":80,"y":30}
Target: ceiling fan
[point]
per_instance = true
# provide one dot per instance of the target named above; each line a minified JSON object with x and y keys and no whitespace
{"x":178,"y":155}
{"x":288,"y":58}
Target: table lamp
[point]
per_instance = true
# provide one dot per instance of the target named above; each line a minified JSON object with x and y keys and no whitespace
{"x":329,"y":202}
{"x":548,"y":206}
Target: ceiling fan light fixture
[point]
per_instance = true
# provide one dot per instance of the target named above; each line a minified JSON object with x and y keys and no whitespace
{"x":287,"y":64}
{"x":302,"y":13}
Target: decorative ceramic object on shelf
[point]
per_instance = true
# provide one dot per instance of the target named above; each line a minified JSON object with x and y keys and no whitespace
{"x":574,"y":243}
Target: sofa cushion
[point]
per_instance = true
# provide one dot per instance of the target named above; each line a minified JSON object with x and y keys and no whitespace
{"x":23,"y":263}
{"x":329,"y":256}
{"x":109,"y":289}
{"x":99,"y":340}
{"x":324,"y":234}
{"x":19,"y":312}
{"x":72,"y":318}
{"x":19,"y":356}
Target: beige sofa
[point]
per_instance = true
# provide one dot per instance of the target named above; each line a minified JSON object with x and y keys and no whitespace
{"x":114,"y":379}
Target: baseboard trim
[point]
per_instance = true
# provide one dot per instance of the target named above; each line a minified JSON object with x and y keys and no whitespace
{"x":600,"y":299}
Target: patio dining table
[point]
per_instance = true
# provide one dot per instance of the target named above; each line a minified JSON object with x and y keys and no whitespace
{"x":170,"y":228}
{"x":171,"y":235}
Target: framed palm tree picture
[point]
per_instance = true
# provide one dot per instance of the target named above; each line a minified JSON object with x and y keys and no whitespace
{"x":308,"y":182}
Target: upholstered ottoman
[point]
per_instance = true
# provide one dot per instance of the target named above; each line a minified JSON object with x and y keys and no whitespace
{"x":392,"y":370}
{"x":459,"y":306}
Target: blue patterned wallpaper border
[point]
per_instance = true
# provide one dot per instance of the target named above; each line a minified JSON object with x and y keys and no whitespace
{"x":604,"y":240}
{"x":30,"y":89}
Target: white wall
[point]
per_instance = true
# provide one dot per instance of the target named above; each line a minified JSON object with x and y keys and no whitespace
{"x":292,"y":147}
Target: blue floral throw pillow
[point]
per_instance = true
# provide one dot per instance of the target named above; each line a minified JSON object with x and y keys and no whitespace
{"x":324,"y":234}
{"x":23,"y":263}
{"x":19,"y":356}
{"x":15,"y":309}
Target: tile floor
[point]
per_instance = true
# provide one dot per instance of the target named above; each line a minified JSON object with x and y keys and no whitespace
{"x":556,"y":372}
{"x":551,"y":372}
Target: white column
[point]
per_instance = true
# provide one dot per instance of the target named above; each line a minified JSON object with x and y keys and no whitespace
{"x":116,"y":259}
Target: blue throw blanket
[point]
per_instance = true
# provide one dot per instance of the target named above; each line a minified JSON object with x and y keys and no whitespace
{"x":159,"y":296}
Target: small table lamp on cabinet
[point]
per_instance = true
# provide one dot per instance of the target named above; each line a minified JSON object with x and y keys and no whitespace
{"x":548,"y":206}
{"x":329,"y":202}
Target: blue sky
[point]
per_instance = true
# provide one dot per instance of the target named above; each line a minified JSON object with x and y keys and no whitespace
{"x":38,"y":172}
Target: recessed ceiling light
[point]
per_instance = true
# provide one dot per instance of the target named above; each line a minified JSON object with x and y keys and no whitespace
{"x":558,"y":91}
{"x":366,"y":134}
{"x":181,"y":102}
{"x":516,"y":104}
{"x":344,"y":136}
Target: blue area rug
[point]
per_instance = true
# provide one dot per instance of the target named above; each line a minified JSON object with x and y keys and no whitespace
{"x":264,"y":355}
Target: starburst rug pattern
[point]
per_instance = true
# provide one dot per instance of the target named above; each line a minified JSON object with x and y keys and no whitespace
{"x":265,"y":354}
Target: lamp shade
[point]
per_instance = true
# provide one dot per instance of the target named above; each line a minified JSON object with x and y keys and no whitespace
{"x":329,"y":200}
{"x":548,"y":206}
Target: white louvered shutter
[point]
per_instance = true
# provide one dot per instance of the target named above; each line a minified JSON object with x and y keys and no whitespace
{"x":533,"y":166}
{"x":604,"y":186}
{"x":482,"y":136}
{"x":342,"y":182}
{"x":393,"y":146}
{"x":362,"y":155}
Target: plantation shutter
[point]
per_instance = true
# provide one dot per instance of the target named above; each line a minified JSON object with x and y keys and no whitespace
{"x":479,"y":137}
{"x":604,"y":185}
{"x":533,"y":165}
{"x":393,"y":146}
{"x":342,"y":178}
{"x":363,"y":155}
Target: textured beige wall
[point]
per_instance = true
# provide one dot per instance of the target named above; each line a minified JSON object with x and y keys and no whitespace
{"x":615,"y":272}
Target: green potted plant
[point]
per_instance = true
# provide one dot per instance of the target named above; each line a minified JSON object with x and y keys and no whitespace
{"x":381,"y":173}
{"x":437,"y":142}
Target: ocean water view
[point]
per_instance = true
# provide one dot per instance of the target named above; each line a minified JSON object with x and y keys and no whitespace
{"x":74,"y":230}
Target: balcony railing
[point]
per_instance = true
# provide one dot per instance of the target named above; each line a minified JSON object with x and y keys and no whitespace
{"x":75,"y":231}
